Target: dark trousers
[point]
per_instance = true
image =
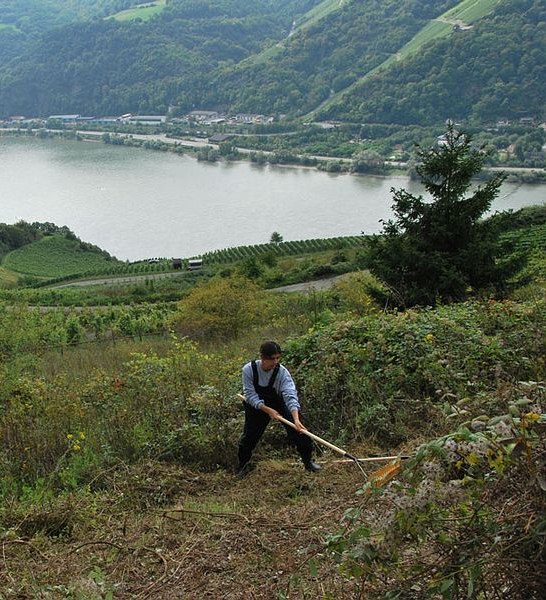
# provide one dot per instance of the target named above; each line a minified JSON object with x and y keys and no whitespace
{"x":256,"y":422}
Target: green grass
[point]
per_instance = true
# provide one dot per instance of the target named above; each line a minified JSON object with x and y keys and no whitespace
{"x":7,"y":278}
{"x":432,"y":31}
{"x":54,"y":256}
{"x":142,"y":11}
{"x":528,"y":238}
{"x":318,"y":12}
{"x":471,"y":10}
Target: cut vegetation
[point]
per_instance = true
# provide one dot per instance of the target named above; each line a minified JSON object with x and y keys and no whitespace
{"x":141,"y":11}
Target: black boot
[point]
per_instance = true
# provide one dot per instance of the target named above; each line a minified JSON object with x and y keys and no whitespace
{"x":311,"y":466}
{"x":244,"y":470}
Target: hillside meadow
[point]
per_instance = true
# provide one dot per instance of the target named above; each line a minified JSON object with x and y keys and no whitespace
{"x":119,"y":429}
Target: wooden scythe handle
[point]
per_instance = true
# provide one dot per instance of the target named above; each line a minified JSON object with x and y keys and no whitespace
{"x":311,"y":435}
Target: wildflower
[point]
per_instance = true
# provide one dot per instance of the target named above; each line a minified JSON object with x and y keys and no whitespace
{"x":76,"y":447}
{"x":429,"y":338}
{"x":69,"y":436}
{"x":82,"y":435}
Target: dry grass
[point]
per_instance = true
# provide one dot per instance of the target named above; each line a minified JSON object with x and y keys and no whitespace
{"x":163,"y":532}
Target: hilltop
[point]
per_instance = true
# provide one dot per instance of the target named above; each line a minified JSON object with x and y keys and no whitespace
{"x":117,"y":464}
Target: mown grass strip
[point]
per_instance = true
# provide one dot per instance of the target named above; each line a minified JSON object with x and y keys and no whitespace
{"x":8,"y":278}
{"x":141,"y":11}
{"x":307,"y":20}
{"x":471,"y":10}
{"x":317,"y":13}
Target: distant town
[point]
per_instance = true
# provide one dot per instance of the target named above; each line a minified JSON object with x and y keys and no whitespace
{"x":203,"y":117}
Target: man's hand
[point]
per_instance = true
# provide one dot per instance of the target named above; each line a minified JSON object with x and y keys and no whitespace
{"x":273,"y":414}
{"x":299,"y":425}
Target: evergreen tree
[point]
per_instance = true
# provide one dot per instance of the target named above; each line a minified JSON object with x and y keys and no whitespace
{"x":276,"y":238}
{"x":442,"y":249}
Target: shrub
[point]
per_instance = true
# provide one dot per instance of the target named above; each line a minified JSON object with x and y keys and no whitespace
{"x":220,"y":308}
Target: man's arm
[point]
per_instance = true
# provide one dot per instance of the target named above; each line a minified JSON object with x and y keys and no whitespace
{"x":251,"y":397}
{"x":287,"y":389}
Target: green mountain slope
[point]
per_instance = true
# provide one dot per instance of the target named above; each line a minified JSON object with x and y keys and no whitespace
{"x":494,"y":69}
{"x":382,"y":61}
{"x":106,"y":66}
{"x":325,"y":56}
{"x":56,"y":256}
{"x":439,"y":27}
{"x":22,"y":21}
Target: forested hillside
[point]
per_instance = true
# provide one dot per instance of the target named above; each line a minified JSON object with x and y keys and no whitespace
{"x":347,"y":60}
{"x":493,"y":70}
{"x":21,"y":21}
{"x":326,"y":57}
{"x":108,"y":66}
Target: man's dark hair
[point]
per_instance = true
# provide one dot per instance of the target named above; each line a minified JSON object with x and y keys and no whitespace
{"x":268,"y":349}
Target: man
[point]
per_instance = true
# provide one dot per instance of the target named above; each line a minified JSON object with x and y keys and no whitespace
{"x":270,"y":393}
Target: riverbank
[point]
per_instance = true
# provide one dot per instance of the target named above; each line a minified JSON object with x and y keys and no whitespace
{"x":204,"y":150}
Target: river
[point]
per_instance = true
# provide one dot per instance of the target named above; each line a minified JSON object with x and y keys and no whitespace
{"x":138,"y":203}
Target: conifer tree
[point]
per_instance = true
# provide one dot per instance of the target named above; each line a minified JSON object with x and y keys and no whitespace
{"x":441,"y":249}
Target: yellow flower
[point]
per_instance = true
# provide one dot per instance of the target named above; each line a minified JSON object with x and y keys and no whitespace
{"x":532,"y":416}
{"x":76,"y":447}
{"x":69,"y":436}
{"x":82,"y":435}
{"x":429,"y":338}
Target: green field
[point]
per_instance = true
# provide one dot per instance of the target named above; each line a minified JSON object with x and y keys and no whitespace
{"x":471,"y":10}
{"x":8,"y":278}
{"x":54,"y":256}
{"x":318,"y":12}
{"x":142,"y":11}
{"x":528,"y":238}
{"x":433,"y":30}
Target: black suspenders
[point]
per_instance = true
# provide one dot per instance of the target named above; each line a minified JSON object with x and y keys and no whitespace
{"x":257,"y":385}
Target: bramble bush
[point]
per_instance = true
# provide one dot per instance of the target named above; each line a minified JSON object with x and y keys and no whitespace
{"x":386,"y":376}
{"x":220,"y":308}
{"x":464,"y":519}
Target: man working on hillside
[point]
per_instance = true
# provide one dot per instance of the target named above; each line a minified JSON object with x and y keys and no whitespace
{"x":270,"y":392}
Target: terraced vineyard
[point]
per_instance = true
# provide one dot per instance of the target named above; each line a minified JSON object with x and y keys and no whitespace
{"x":216,"y":257}
{"x":532,"y":237}
{"x":283,"y":249}
{"x":57,"y":256}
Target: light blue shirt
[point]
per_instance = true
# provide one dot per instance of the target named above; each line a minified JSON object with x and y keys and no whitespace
{"x":284,"y":386}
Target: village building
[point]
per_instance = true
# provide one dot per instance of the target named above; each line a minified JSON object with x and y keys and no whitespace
{"x":64,"y":118}
{"x":249,"y":118}
{"x":203,"y":116}
{"x":147,"y":119}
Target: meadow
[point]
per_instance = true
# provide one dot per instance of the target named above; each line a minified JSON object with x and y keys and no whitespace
{"x":143,"y":11}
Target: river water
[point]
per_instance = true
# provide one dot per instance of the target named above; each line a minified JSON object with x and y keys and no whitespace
{"x":137,"y":204}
